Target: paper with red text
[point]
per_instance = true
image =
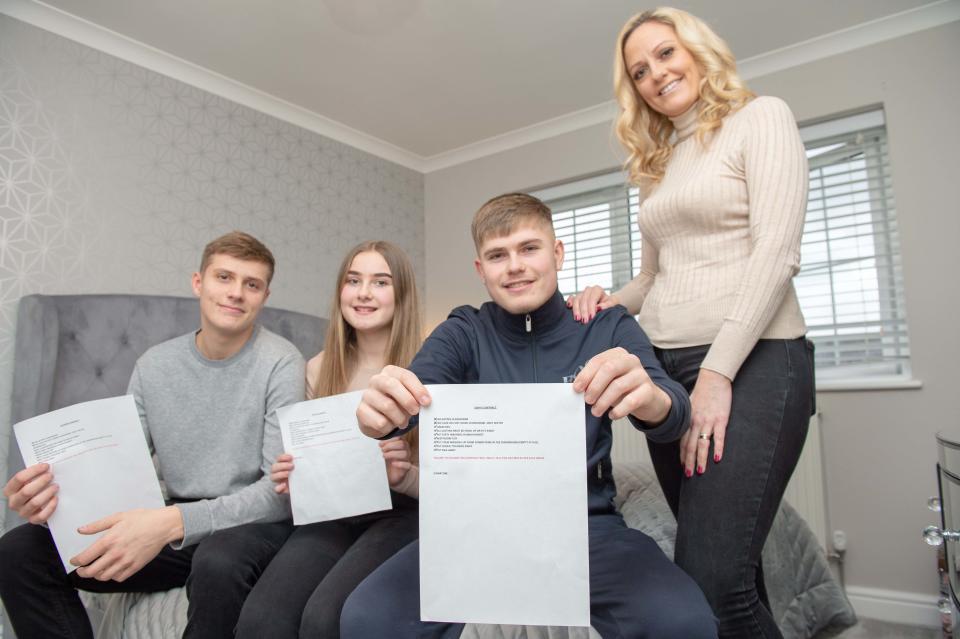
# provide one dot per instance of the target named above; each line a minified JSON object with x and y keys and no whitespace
{"x":503,"y":505}
{"x":98,"y":454}
{"x":338,"y":471}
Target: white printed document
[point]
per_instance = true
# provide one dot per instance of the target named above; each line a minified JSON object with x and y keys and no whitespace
{"x":338,"y":471}
{"x":503,"y":505}
{"x":99,"y":458}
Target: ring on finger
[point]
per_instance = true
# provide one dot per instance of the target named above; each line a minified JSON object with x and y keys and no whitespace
{"x":705,"y":436}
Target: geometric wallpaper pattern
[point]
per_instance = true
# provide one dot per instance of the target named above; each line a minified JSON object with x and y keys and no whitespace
{"x":113,"y":178}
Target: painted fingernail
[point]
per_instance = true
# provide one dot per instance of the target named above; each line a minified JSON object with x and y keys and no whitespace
{"x":576,"y":317}
{"x":598,"y":307}
{"x":699,"y":470}
{"x":688,"y":473}
{"x":716,"y":459}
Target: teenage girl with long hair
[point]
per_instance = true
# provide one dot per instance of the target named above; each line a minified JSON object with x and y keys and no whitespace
{"x":374,"y":321}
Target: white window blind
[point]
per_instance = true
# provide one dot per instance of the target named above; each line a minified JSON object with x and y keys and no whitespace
{"x":595,"y":228}
{"x":850,"y":285}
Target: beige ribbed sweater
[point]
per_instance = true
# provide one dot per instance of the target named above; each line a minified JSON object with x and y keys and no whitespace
{"x":721,"y":237}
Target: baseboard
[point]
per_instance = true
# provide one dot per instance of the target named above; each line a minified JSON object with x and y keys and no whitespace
{"x":893,"y":606}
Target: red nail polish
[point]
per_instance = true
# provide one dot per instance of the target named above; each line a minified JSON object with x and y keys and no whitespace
{"x":699,"y":470}
{"x":576,"y":317}
{"x":598,"y":307}
{"x":716,"y":459}
{"x":688,"y":473}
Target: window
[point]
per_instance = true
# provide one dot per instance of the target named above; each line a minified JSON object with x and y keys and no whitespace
{"x":596,"y":220}
{"x":850,"y":285}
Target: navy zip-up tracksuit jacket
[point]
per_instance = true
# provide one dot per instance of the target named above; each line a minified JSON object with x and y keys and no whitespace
{"x":491,"y":346}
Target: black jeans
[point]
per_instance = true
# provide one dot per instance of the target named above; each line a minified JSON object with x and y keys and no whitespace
{"x":724,"y":515}
{"x":302,"y":591}
{"x":41,"y":598}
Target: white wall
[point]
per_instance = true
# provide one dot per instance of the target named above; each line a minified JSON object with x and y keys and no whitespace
{"x":880,"y":449}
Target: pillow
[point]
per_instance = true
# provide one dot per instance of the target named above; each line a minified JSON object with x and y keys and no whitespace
{"x":803,"y":593}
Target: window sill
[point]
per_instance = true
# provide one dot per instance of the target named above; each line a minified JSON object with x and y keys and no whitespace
{"x":868,"y":384}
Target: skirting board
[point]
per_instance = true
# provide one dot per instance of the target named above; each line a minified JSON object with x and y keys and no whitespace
{"x":893,"y":606}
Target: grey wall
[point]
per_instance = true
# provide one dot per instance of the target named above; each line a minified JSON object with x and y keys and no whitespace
{"x":880,"y":450}
{"x":112,"y":179}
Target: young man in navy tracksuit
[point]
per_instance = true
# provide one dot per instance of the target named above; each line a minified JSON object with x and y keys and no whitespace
{"x":527,"y":334}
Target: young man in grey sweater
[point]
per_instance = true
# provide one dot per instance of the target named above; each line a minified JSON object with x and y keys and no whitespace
{"x":206,"y":402}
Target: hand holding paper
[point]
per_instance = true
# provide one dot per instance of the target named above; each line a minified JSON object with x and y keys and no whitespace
{"x":392,"y":398}
{"x":340,"y":472}
{"x":99,"y":456}
{"x":131,"y":539}
{"x":32,"y":494}
{"x":615,"y":380}
{"x":280,"y":473}
{"x":396,"y":452}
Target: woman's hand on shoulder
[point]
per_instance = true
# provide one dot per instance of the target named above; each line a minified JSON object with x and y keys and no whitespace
{"x":710,"y":411}
{"x":589,"y":302}
{"x":280,"y":473}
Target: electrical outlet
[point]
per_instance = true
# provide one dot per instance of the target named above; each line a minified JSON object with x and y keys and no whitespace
{"x":839,"y":540}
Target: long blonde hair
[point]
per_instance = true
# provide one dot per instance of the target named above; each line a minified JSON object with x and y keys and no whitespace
{"x":645,"y":133}
{"x":340,"y":345}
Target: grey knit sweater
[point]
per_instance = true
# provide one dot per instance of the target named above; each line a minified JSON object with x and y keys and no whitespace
{"x":213,"y":427}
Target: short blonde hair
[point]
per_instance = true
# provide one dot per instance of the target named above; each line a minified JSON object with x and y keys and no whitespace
{"x":242,"y":246}
{"x":644,"y":132}
{"x":502,"y":215}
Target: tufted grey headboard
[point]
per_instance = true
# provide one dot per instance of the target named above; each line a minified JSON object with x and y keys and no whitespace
{"x":74,"y":348}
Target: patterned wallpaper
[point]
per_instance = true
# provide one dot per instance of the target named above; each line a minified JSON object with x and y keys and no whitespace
{"x":112,"y":179}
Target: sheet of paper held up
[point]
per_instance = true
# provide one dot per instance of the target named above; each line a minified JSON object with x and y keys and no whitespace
{"x":99,"y":458}
{"x":338,"y":471}
{"x":503,"y":505}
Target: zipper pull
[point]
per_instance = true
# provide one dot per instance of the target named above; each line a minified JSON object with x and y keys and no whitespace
{"x":529,"y":323}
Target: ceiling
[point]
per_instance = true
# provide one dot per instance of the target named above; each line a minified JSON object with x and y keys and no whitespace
{"x":432,"y":76}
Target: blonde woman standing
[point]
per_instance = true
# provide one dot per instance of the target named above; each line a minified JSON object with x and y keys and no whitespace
{"x":374,"y":321}
{"x":723,"y":180}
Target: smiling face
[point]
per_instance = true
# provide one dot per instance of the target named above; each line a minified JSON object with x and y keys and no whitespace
{"x":232,"y":292}
{"x":367,"y":298}
{"x":520,"y":269}
{"x":663,"y":71}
